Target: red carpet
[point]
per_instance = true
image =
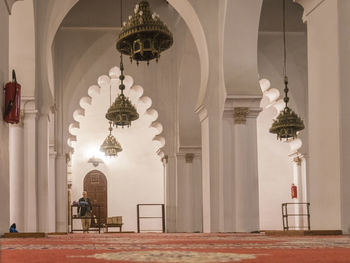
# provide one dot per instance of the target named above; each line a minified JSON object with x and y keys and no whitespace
{"x":175,"y":248}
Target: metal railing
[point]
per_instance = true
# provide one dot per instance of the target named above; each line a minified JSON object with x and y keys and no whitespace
{"x":285,"y":216}
{"x":150,"y":217}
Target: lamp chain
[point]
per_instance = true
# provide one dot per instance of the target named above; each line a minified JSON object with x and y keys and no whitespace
{"x":286,"y":98}
{"x":121,"y":77}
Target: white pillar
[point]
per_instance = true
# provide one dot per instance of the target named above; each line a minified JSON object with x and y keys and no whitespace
{"x":52,"y":190}
{"x":183,"y":180}
{"x":30,"y":165}
{"x":43,"y":173}
{"x":298,"y":181}
{"x":170,"y":193}
{"x":241,"y":194}
{"x":61,"y":194}
{"x":197,"y":196}
{"x":16,"y":176}
{"x":212,"y":172}
{"x":203,"y":116}
{"x":327,"y":58}
{"x":189,"y":199}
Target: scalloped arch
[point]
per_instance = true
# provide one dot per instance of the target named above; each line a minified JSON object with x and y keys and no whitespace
{"x":143,"y":104}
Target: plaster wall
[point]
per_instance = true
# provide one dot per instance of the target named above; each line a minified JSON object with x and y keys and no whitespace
{"x":22,"y":46}
{"x":134,"y":177}
{"x":275,"y":166}
{"x":4,"y":130}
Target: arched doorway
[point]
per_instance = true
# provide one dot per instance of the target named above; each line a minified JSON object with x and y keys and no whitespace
{"x":95,"y":183}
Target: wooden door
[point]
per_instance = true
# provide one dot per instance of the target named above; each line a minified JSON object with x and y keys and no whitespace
{"x":95,"y":184}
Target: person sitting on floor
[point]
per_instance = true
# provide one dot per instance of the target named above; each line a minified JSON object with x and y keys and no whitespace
{"x":13,"y":228}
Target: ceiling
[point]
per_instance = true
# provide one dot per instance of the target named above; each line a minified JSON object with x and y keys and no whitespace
{"x":103,"y":13}
{"x":271,"y":16}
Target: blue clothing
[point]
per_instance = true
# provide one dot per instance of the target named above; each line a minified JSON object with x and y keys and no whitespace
{"x":13,"y":230}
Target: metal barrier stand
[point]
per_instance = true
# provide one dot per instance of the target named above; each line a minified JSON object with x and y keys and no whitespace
{"x":150,"y":217}
{"x":285,"y":216}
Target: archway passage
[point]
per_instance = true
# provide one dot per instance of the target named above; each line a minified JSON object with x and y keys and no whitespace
{"x":95,"y":183}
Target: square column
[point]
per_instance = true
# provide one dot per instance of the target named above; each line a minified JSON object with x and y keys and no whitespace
{"x":189,"y":194}
{"x":43,"y":173}
{"x":170,"y":192}
{"x":61,"y":194}
{"x":240,"y":182}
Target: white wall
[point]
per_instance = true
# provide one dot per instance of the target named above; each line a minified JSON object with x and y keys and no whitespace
{"x":4,"y":131}
{"x":135,"y":176}
{"x":275,"y":167}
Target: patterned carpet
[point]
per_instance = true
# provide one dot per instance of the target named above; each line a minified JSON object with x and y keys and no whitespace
{"x":175,"y":248}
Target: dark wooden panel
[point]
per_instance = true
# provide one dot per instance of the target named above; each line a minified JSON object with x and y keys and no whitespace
{"x":95,"y":183}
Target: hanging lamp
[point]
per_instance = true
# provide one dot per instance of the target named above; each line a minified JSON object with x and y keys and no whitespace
{"x":110,"y":146}
{"x":144,"y":36}
{"x":122,"y":112}
{"x":288,"y":123}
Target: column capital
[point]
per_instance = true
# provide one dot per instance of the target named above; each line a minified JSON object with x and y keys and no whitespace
{"x":240,"y":114}
{"x":189,"y":153}
{"x":309,"y":6}
{"x":242,"y":107}
{"x":165,"y":159}
{"x":189,"y":157}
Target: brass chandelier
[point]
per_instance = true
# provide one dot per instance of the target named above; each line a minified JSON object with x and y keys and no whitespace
{"x":122,"y":112}
{"x":110,"y":146}
{"x":288,"y":123}
{"x":144,"y":36}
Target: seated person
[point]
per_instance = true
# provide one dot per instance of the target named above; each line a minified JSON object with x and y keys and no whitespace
{"x":13,"y":228}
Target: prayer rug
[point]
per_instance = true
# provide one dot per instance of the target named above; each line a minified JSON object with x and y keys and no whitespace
{"x":175,"y":248}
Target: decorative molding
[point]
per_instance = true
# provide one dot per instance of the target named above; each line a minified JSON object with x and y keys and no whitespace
{"x":189,"y":157}
{"x":252,"y":103}
{"x":165,"y":159}
{"x":95,"y":161}
{"x":196,"y":151}
{"x":240,"y":115}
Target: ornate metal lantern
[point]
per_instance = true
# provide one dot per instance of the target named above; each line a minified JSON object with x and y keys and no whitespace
{"x":122,"y":112}
{"x":110,"y":146}
{"x":144,"y":36}
{"x":288,"y":123}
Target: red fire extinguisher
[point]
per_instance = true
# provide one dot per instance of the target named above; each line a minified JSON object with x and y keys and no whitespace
{"x":294,"y":191}
{"x":12,"y":100}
